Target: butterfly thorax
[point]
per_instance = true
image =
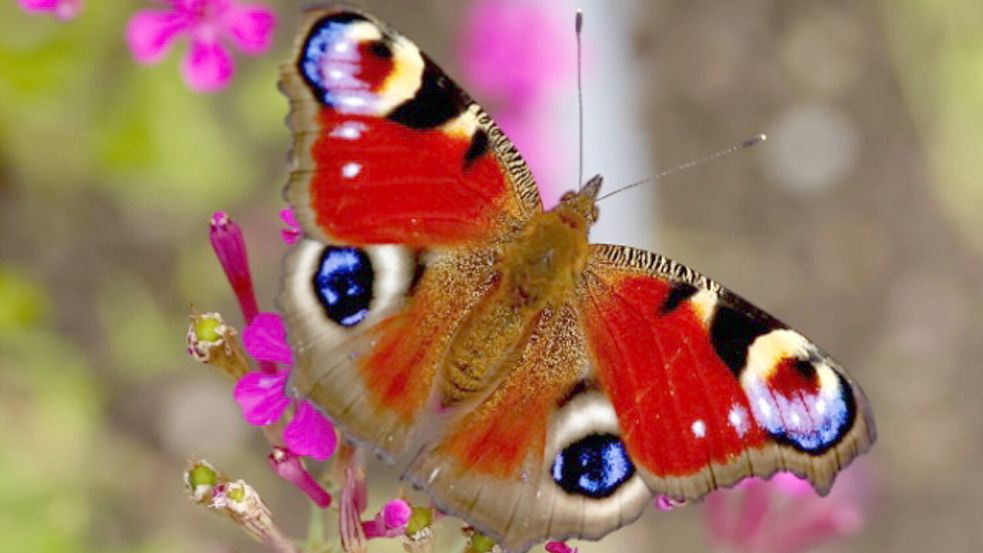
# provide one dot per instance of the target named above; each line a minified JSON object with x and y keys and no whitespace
{"x":540,"y":269}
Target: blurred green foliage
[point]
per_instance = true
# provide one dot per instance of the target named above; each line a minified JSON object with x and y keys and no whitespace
{"x":938,"y":51}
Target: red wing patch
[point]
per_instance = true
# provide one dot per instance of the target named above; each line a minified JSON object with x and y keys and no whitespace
{"x":380,"y":182}
{"x":389,"y":150}
{"x":678,"y":404}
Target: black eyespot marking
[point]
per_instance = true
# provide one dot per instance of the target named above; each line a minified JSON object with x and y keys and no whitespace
{"x":732,"y":333}
{"x":419,"y":267}
{"x":380,"y":49}
{"x":581,"y":387}
{"x":344,"y":17}
{"x":478,"y":147}
{"x":436,"y":102}
{"x":806,"y":368}
{"x":343,"y":284}
{"x":680,"y":292}
{"x":595,"y":466}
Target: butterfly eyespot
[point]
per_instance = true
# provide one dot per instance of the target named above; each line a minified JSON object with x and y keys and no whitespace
{"x":795,"y":395}
{"x":343,"y":284}
{"x":380,"y":49}
{"x":595,"y":466}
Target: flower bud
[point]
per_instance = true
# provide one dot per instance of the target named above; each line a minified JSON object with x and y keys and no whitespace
{"x":213,"y":342}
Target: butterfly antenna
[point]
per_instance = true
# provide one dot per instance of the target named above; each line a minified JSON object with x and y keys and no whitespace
{"x":749,"y":143}
{"x":578,"y":27}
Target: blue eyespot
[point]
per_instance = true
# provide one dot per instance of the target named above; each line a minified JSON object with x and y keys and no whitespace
{"x":595,"y":466}
{"x":343,"y":284}
{"x":325,"y":35}
{"x":809,"y":422}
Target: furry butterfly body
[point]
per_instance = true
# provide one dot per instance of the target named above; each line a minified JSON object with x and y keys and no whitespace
{"x":542,"y":387}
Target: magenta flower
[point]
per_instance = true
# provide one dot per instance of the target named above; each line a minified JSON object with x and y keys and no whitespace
{"x":230,"y":248}
{"x":390,"y":521}
{"x":559,"y":547}
{"x":289,"y":467}
{"x":293,"y":231}
{"x":784,"y":514}
{"x":208,"y":65}
{"x":62,"y":9}
{"x":263,"y":398}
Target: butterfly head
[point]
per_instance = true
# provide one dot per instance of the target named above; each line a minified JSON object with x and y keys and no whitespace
{"x":583,"y":202}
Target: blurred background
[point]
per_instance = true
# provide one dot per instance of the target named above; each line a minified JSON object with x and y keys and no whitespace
{"x":859,"y":222}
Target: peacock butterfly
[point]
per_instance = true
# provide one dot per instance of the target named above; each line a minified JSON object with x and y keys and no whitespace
{"x":543,"y":387}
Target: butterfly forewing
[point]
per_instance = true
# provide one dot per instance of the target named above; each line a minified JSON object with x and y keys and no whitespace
{"x":709,"y":389}
{"x":388,"y":149}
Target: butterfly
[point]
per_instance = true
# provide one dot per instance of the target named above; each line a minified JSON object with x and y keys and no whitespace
{"x":538,"y":386}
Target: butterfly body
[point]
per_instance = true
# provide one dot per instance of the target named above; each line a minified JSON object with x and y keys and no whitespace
{"x":540,"y":386}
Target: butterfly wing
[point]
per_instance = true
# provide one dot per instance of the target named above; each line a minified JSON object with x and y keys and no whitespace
{"x":387,"y":148}
{"x":522,"y":464}
{"x":405,"y":189}
{"x":709,"y":389}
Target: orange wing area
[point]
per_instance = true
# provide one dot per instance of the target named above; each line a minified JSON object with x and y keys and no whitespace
{"x":507,"y":431}
{"x":411,"y":345}
{"x":388,"y":149}
{"x":375,"y":381}
{"x":495,"y":464}
{"x":709,"y":389}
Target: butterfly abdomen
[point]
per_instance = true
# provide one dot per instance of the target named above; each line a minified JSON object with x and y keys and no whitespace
{"x":540,"y":269}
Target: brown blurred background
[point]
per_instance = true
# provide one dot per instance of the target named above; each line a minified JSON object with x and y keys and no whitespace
{"x":860,"y":222}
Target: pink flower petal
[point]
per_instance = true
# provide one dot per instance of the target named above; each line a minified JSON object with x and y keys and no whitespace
{"x":289,"y":467}
{"x":265,"y":338}
{"x":230,"y":249}
{"x":208,"y":66}
{"x":261,"y":398}
{"x":310,"y":433}
{"x":559,"y":547}
{"x":396,"y":513}
{"x":150,"y":33}
{"x":390,"y":521}
{"x":68,"y":9}
{"x":514,"y":49}
{"x":292,"y":233}
{"x":250,"y":27}
{"x":38,"y":5}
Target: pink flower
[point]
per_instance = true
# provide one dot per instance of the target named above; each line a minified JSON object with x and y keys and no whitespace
{"x":208,"y":65}
{"x":666,"y":503}
{"x":390,"y":521}
{"x":289,"y":467}
{"x":230,"y":248}
{"x":559,"y":547}
{"x":62,"y":9}
{"x":263,"y":398}
{"x":293,"y":231}
{"x":784,"y":514}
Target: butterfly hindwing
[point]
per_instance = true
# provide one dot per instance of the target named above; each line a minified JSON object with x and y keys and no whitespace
{"x":387,"y":148}
{"x":709,"y":389}
{"x":369,"y":328}
{"x":540,"y":457}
